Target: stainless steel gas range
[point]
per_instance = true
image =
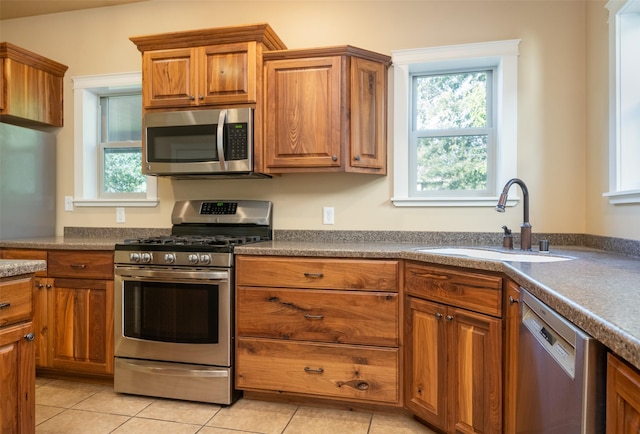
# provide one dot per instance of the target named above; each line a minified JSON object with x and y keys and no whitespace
{"x":174,"y":301}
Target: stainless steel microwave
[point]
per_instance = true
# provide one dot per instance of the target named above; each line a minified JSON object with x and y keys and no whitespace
{"x":199,"y":143}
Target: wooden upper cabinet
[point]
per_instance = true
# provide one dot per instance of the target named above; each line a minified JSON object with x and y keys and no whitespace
{"x":325,"y":110}
{"x":204,"y":67}
{"x":215,"y":74}
{"x":31,"y":87}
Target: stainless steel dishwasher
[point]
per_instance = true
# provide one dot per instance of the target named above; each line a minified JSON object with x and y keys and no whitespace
{"x":561,"y":374}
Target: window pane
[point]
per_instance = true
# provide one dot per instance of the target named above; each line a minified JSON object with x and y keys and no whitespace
{"x":452,"y":163}
{"x":451,"y":101}
{"x":122,"y":171}
{"x":124,"y":121}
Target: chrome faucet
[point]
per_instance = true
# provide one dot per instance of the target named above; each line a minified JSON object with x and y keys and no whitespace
{"x":525,"y":227}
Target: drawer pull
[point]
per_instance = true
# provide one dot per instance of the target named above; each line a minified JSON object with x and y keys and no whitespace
{"x":313,"y":370}
{"x":78,"y":266}
{"x":513,"y":300}
{"x":359,"y":385}
{"x":314,"y":275}
{"x":308,"y":316}
{"x":3,"y":305}
{"x":30,"y":337}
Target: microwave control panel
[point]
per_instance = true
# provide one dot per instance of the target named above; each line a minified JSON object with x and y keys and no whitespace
{"x":237,"y":141}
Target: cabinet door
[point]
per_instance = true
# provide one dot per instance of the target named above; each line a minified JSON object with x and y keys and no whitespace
{"x":426,"y":361}
{"x":18,"y":379}
{"x":511,"y":333}
{"x":169,"y":78}
{"x":83,"y":325}
{"x":227,"y":73}
{"x":303,"y":114}
{"x":42,"y":288}
{"x":475,"y":364}
{"x":368,"y":115}
{"x":623,"y":397}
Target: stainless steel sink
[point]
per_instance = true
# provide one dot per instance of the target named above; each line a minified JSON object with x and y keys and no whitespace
{"x":497,"y":255}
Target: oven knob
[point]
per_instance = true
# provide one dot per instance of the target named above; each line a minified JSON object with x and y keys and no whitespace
{"x":145,"y":257}
{"x":169,"y":258}
{"x":205,"y":259}
{"x":193,"y":259}
{"x":134,"y":257}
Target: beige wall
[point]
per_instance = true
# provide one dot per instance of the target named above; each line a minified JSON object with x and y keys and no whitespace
{"x":562,"y":104}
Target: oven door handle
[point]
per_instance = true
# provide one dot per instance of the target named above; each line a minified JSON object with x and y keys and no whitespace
{"x":146,"y":368}
{"x":172,"y":274}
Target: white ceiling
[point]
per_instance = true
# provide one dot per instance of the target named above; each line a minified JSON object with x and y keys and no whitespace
{"x":27,"y":8}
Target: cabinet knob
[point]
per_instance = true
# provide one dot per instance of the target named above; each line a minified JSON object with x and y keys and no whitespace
{"x":357,"y":158}
{"x":191,"y":97}
{"x":449,"y":317}
{"x":438,"y":315}
{"x":334,"y":157}
{"x":39,"y":285}
{"x":200,"y":97}
{"x":29,"y":337}
{"x":48,"y":286}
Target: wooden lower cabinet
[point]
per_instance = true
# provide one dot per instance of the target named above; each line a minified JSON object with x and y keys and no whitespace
{"x":73,"y":310}
{"x":17,"y":379}
{"x":319,"y":327}
{"x":17,"y":358}
{"x":623,"y":397}
{"x":453,"y":355}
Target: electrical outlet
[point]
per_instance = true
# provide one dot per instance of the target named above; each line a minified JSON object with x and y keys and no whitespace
{"x":68,"y":203}
{"x":328,"y":215}
{"x":119,"y":215}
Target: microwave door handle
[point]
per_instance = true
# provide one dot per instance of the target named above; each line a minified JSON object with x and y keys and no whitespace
{"x":219,"y":143}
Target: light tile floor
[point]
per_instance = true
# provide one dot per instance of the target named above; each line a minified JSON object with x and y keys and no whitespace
{"x":73,"y":407}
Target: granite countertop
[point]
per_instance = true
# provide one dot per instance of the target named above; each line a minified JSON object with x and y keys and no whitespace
{"x":63,"y":243}
{"x":596,"y":290}
{"x":16,"y":267}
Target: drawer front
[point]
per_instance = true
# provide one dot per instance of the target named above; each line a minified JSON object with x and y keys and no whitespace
{"x":321,"y":273}
{"x":475,"y":291}
{"x":81,"y":264}
{"x":367,"y":318}
{"x":339,"y":371}
{"x":40,"y":255}
{"x":16,"y":297}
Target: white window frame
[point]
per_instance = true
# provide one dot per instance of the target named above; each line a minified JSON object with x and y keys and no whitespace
{"x":86,"y":93}
{"x":501,"y":55}
{"x":623,"y":90}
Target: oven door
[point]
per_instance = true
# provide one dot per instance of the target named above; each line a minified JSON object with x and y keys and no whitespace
{"x":176,"y":315}
{"x":202,"y":142}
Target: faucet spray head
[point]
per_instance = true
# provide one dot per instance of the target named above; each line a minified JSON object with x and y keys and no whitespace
{"x":502,"y":202}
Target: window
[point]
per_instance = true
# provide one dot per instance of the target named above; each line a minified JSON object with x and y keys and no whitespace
{"x":120,"y":147}
{"x":455,"y":128}
{"x":452,"y":142}
{"x":624,"y":102}
{"x":107,"y":139}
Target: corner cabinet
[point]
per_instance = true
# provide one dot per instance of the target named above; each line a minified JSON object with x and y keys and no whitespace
{"x":325,"y":110}
{"x":17,"y":361}
{"x":320,"y":327}
{"x":204,"y":67}
{"x":453,"y":348}
{"x":31,"y":87}
{"x":73,"y":310}
{"x":623,"y":397}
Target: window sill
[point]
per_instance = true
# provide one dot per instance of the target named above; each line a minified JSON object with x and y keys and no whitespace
{"x":450,"y":201}
{"x":623,"y":197}
{"x":115,"y":202}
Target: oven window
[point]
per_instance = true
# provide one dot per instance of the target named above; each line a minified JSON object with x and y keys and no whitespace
{"x":171,"y":312}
